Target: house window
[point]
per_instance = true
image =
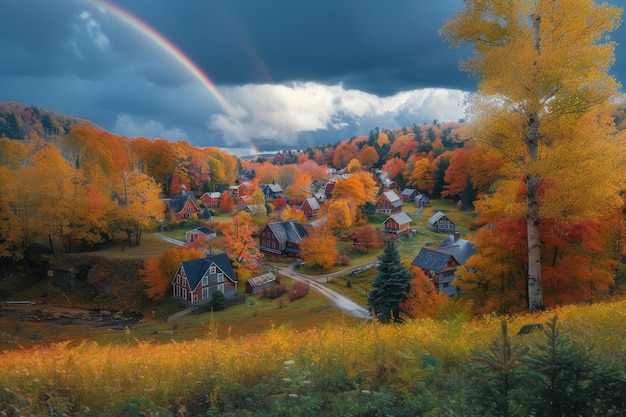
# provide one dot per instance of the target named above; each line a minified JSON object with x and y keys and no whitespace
{"x":220,"y":277}
{"x":220,"y":287}
{"x":205,"y":280}
{"x":195,"y":298}
{"x":177,"y":291}
{"x":212,"y":269}
{"x":184,"y":282}
{"x":185,"y":293}
{"x":178,"y":278}
{"x":205,"y":293}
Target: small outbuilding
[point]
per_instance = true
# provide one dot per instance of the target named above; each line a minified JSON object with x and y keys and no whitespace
{"x":261,"y":282}
{"x":439,"y":222}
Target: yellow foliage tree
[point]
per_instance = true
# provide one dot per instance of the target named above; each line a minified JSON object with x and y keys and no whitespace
{"x":339,"y":214}
{"x":543,"y":69}
{"x":319,"y":248}
{"x":423,"y":299}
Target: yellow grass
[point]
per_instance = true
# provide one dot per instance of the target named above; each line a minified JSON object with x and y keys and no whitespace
{"x":92,"y":376}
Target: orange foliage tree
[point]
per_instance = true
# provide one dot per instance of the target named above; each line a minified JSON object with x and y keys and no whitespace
{"x":157,"y":271}
{"x":366,"y":238}
{"x":423,"y":299}
{"x":241,"y":247}
{"x":319,"y":248}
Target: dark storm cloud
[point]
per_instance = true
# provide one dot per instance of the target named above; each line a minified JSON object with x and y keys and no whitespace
{"x":322,"y":70}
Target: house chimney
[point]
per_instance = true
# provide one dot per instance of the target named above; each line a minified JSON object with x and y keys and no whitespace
{"x":457,"y":236}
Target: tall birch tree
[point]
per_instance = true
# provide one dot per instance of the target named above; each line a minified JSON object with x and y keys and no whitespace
{"x":542,"y":68}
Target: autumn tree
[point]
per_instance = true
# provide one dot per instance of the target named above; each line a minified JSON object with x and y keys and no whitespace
{"x":543,"y":69}
{"x":391,"y":286}
{"x":140,"y":206}
{"x":157,"y":271}
{"x":360,"y":187}
{"x":423,"y":299}
{"x":339,"y":214}
{"x":366,"y":238}
{"x":300,"y":190}
{"x":227,"y":203}
{"x":241,"y":247}
{"x":319,"y":248}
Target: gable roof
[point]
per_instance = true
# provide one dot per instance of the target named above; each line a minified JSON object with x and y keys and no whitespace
{"x":261,"y":279}
{"x":400,"y":218}
{"x":203,"y":229}
{"x":275,"y":188}
{"x":393,"y":198}
{"x":177,"y":203}
{"x":431,"y":260}
{"x":313,"y":203}
{"x":461,"y":249}
{"x":436,"y":217}
{"x":288,"y":231}
{"x":196,"y":268}
{"x":408,"y":191}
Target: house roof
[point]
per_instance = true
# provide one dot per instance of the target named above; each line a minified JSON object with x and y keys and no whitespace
{"x":408,"y":191}
{"x":461,"y":249}
{"x":436,"y":217}
{"x":196,"y":268}
{"x":313,"y":203}
{"x":400,"y":218}
{"x":214,"y":194}
{"x":261,"y":279}
{"x":288,"y":231}
{"x":177,"y":203}
{"x":431,"y":260}
{"x":275,"y":188}
{"x":393,"y":198}
{"x":203,"y":229}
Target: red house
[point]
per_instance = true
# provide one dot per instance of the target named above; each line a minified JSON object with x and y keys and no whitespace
{"x":195,"y":281}
{"x":211,"y":199}
{"x":282,"y":238}
{"x":182,"y":206}
{"x":398,"y":224}
{"x":310,"y":207}
{"x":388,"y":202}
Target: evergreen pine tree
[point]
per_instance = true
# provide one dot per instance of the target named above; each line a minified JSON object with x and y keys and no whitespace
{"x":390,"y":286}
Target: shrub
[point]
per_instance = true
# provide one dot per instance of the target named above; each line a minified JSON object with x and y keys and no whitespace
{"x":273,"y":291}
{"x":298,"y":290}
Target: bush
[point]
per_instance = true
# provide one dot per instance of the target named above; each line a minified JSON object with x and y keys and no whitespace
{"x":218,"y":301}
{"x":273,"y":291}
{"x":298,"y":290}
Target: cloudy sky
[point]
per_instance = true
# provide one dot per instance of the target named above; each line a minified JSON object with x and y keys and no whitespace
{"x":273,"y":74}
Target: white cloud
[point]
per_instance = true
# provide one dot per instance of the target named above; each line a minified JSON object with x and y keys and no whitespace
{"x":127,"y":126}
{"x":280,"y":112}
{"x":93,"y":31}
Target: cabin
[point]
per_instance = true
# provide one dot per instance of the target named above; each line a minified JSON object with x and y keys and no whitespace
{"x":421,"y":200}
{"x":211,"y":199}
{"x":388,"y":203}
{"x":260,"y":282}
{"x":310,"y":207}
{"x":398,"y":224}
{"x":329,"y":188}
{"x":439,"y":222}
{"x":182,"y":206}
{"x":408,"y":194}
{"x":242,"y":202}
{"x":197,"y":280}
{"x":200,"y":232}
{"x":282,"y":238}
{"x":442,"y":263}
{"x":271,"y":191}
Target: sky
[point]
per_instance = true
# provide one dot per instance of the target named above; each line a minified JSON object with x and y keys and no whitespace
{"x":243,"y":75}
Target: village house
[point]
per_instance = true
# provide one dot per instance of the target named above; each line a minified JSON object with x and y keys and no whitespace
{"x":200,"y":232}
{"x":310,"y":207}
{"x":421,"y":200}
{"x":182,"y":206}
{"x":439,"y":222}
{"x":328,"y":189}
{"x":442,"y":263}
{"x":399,"y":224}
{"x":408,"y":194}
{"x":388,"y":203}
{"x":211,"y":199}
{"x":282,"y":238}
{"x":260,"y":282}
{"x":195,"y":281}
{"x":242,"y":202}
{"x":271,"y":191}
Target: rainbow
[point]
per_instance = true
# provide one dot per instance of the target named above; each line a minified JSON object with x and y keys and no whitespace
{"x":170,"y":48}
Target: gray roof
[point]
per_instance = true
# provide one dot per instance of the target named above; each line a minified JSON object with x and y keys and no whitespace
{"x":177,"y":203}
{"x":204,"y":229}
{"x":261,"y":279}
{"x":288,"y":231}
{"x":408,"y":191}
{"x":436,"y":217}
{"x":461,"y":249}
{"x":313,"y":203}
{"x":431,"y":260}
{"x":196,"y":268}
{"x":393,"y":198}
{"x":400,"y":218}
